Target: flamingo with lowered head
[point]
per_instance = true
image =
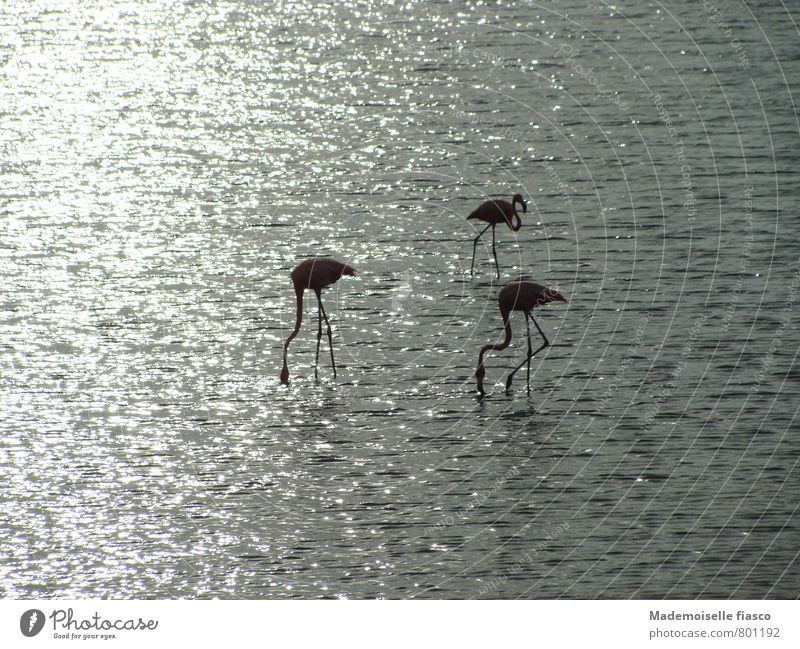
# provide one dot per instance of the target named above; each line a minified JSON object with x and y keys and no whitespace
{"x":495,"y":212}
{"x":315,"y":274}
{"x":519,"y":296}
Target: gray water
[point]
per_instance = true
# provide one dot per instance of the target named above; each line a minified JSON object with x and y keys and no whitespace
{"x":164,"y":167}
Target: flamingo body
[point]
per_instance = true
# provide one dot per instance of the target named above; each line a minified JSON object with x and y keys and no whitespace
{"x":315,"y":273}
{"x":525,"y":297}
{"x":494,"y":213}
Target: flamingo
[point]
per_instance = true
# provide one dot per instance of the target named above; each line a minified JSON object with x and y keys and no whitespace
{"x":519,"y":296}
{"x":315,"y":273}
{"x":494,"y":212}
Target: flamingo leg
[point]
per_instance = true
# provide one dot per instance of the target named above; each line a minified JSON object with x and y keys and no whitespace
{"x":530,"y":353}
{"x":494,"y":252}
{"x":319,"y":338}
{"x":475,"y":245}
{"x":546,"y":342}
{"x":330,"y":337}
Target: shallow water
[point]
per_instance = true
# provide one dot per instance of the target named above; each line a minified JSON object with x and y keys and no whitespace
{"x":163,"y":170}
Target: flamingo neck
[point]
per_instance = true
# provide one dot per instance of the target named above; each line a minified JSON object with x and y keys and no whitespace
{"x":298,"y":321}
{"x":517,"y":199}
{"x":480,"y":372}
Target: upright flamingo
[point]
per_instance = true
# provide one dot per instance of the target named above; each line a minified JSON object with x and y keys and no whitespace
{"x":519,"y":296}
{"x":495,"y":212}
{"x":315,"y":273}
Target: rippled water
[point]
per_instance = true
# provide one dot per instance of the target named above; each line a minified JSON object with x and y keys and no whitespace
{"x":164,"y":167}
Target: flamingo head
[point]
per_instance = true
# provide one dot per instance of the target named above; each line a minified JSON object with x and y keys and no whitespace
{"x":518,"y":199}
{"x":285,"y":374}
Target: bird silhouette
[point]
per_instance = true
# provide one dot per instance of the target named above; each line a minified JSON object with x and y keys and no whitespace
{"x":519,"y":296}
{"x":315,"y":274}
{"x":494,"y":212}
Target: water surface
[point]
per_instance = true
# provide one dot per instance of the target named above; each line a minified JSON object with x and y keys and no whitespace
{"x":164,"y":167}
